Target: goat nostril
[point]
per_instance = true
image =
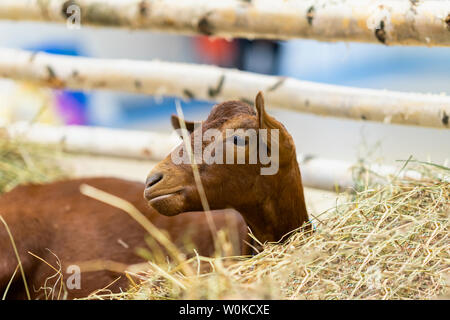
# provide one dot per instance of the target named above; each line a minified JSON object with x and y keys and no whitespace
{"x":153,"y":179}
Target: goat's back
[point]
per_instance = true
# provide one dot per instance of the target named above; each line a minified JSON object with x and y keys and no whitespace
{"x":60,"y":225}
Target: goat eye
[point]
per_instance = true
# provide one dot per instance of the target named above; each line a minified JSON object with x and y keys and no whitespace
{"x":239,"y":141}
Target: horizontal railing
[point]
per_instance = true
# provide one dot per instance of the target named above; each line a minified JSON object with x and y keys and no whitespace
{"x":390,"y":22}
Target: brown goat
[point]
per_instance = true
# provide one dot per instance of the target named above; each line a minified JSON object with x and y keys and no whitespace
{"x":58,"y":224}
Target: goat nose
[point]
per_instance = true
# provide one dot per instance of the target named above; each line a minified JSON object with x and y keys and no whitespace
{"x":153,"y":179}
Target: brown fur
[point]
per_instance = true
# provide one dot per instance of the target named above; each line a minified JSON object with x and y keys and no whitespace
{"x":78,"y":229}
{"x":272,"y":205}
{"x":57,"y":220}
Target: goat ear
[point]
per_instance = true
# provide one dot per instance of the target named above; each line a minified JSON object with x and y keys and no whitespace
{"x":177,"y":125}
{"x":259,"y":104}
{"x":285,"y":146}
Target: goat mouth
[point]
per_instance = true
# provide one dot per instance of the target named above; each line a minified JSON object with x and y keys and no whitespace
{"x":153,"y":197}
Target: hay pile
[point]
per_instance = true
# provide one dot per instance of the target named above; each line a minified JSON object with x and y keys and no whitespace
{"x":23,"y":162}
{"x":385,"y":242}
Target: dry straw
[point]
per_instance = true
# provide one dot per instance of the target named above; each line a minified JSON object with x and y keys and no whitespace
{"x":23,"y":162}
{"x":385,"y":242}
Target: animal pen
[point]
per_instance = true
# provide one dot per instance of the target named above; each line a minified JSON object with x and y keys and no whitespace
{"x":387,"y":238}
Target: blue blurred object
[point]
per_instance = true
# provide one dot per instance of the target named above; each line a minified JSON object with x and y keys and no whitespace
{"x":154,"y":113}
{"x":71,"y":105}
{"x":367,"y":65}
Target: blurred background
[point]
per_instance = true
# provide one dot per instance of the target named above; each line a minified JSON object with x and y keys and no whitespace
{"x":417,"y":69}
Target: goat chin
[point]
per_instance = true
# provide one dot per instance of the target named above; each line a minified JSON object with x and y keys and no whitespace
{"x":168,"y":204}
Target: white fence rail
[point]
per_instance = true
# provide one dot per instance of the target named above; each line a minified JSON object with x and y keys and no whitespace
{"x":320,"y":173}
{"x":97,"y":140}
{"x":213,"y":83}
{"x":391,"y":22}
